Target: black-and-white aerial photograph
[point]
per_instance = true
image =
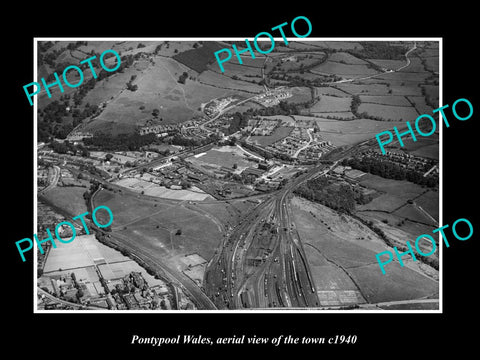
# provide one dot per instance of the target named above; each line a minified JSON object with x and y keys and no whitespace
{"x":254,"y":182}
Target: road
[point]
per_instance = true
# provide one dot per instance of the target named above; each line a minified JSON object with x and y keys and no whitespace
{"x":250,"y":154}
{"x":309,"y":131}
{"x":63,"y":302}
{"x":408,"y":61}
{"x":53,"y":183}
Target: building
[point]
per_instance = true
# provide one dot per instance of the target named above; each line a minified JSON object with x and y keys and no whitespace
{"x":256,"y":261}
{"x":252,"y":171}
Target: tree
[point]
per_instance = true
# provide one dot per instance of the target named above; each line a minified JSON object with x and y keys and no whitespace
{"x":185,"y":184}
{"x":179,"y":232}
{"x":108,"y":157}
{"x":182,"y":78}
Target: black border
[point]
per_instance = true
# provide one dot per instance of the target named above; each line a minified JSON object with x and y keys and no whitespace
{"x":111,"y":333}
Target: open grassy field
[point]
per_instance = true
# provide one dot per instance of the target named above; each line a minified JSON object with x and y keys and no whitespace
{"x":331,"y":104}
{"x":420,"y":104}
{"x":337,"y":45}
{"x":410,"y":78}
{"x":349,"y":70}
{"x":432,"y":92}
{"x":297,"y":62}
{"x":364,"y":88}
{"x":278,"y":134}
{"x":228,"y":213}
{"x":158,"y":88}
{"x":330,"y":90}
{"x":432,"y":64}
{"x":299,"y":95}
{"x":341,"y":115}
{"x":349,"y":248}
{"x":198,"y":58}
{"x":225,"y":156}
{"x":424,"y":146}
{"x":392,"y":206}
{"x":400,"y":188}
{"x":155,"y":190}
{"x":220,"y":81}
{"x":384,"y":202}
{"x":388,"y":64}
{"x":343,"y":57}
{"x":153,"y":224}
{"x":69,"y":198}
{"x":411,"y":212}
{"x":388,"y":112}
{"x":350,"y":132}
{"x":385,"y":100}
{"x":430,"y":203}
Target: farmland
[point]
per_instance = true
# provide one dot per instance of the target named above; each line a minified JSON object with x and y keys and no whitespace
{"x":385,"y":100}
{"x":350,"y":132}
{"x":391,"y":204}
{"x":226,"y":157}
{"x":68,"y":198}
{"x":197,"y":182}
{"x":332,"y":67}
{"x":153,"y":226}
{"x":396,"y":113}
{"x":331,"y":104}
{"x":154,"y":190}
{"x":345,"y":249}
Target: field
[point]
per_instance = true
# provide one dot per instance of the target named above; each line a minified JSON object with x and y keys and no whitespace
{"x":297,"y":62}
{"x":343,"y":57}
{"x":337,"y":45}
{"x":328,"y":90}
{"x":391,"y":207}
{"x":420,"y":104}
{"x":384,"y":202}
{"x":299,"y":95}
{"x":199,"y":58}
{"x":69,"y":198}
{"x":153,"y":226}
{"x":363,"y":88}
{"x":429,"y":202}
{"x":158,"y":88}
{"x":387,"y":112}
{"x":278,"y":134}
{"x":348,"y":70}
{"x":388,"y":64}
{"x":350,"y":132}
{"x":424,"y":146}
{"x":225,"y":156}
{"x":412,"y":213}
{"x":385,"y":100}
{"x":243,"y":71}
{"x":229,"y":213}
{"x":331,"y":104}
{"x":217,"y":80}
{"x":344,"y":258}
{"x":401,"y":188}
{"x":341,"y":115}
{"x":155,"y":190}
